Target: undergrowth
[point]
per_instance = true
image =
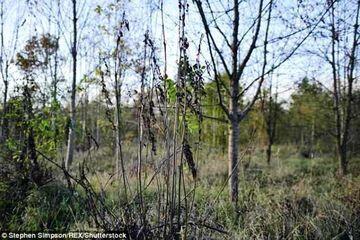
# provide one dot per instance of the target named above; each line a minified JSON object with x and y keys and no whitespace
{"x":292,"y":198}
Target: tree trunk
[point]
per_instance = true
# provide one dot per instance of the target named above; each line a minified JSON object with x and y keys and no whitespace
{"x":233,"y":155}
{"x":268,"y":152}
{"x":4,"y":76}
{"x":120,"y":168}
{"x":342,"y":156}
{"x":54,"y":104}
{"x":71,"y":136}
{"x":4,"y":127}
{"x":119,"y":161}
{"x":336,"y":100}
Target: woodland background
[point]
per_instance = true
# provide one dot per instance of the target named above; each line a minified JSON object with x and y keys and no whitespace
{"x":181,"y":119}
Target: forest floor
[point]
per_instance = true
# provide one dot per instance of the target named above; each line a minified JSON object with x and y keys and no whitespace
{"x":292,"y":198}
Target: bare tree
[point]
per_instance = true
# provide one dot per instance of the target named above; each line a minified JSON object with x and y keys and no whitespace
{"x":4,"y":76}
{"x":337,"y":43}
{"x":7,"y":52}
{"x":343,"y":101}
{"x":234,"y":72}
{"x":114,"y":57}
{"x":71,"y":136}
{"x":118,"y":74}
{"x":234,"y":67}
{"x":55,"y":76}
{"x":270,"y":111}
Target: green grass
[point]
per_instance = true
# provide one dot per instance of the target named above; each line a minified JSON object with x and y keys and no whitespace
{"x":292,"y":198}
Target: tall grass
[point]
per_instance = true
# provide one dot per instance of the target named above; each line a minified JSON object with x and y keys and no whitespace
{"x":294,"y":198}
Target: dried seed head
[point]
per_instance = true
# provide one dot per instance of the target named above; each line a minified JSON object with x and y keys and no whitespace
{"x":189,"y":159}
